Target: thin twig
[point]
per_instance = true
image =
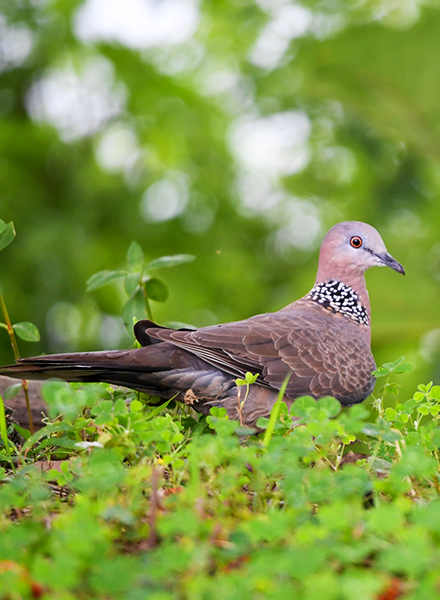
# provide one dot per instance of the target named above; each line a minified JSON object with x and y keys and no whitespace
{"x":147,"y":303}
{"x":14,"y":345}
{"x":240,"y":406}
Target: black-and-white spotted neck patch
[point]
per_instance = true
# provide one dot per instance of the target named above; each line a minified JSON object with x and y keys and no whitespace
{"x":340,"y":298}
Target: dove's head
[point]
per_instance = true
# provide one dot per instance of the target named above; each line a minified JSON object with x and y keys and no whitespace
{"x":349,"y":249}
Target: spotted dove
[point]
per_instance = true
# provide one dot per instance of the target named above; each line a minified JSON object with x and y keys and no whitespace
{"x":322,"y":340}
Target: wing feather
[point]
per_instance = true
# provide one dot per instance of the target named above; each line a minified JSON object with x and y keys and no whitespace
{"x":325,"y":354}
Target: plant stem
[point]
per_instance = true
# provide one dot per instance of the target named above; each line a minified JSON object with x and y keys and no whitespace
{"x":147,"y":303}
{"x":241,"y":403}
{"x":14,"y":345}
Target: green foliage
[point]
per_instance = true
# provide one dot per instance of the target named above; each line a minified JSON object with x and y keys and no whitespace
{"x":12,"y":391}
{"x":139,"y":286}
{"x":398,"y":366}
{"x":112,"y":498}
{"x":247,"y":381}
{"x":27,"y":331}
{"x":4,"y":428}
{"x":7,"y":234}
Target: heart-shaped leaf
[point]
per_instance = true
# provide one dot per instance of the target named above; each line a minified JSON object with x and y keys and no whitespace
{"x":331,"y":406}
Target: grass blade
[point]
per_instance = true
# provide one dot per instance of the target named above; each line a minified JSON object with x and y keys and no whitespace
{"x":4,"y":428}
{"x":275,"y":411}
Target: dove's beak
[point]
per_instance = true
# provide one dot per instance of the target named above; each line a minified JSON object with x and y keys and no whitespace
{"x":388,"y":261}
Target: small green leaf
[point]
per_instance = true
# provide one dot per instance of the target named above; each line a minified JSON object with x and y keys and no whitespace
{"x":12,"y":391}
{"x":424,"y":388}
{"x":102,"y":278}
{"x":245,"y":431}
{"x":27,"y":331}
{"x":23,"y":432}
{"x":405,"y":368}
{"x":394,"y":364}
{"x":392,"y":388}
{"x":251,"y":378}
{"x":170,"y":261}
{"x":152,"y":414}
{"x":381,"y":372}
{"x":410,"y":405}
{"x":7,"y":234}
{"x":131,"y":282}
{"x":302,"y":406}
{"x":240,"y":382}
{"x":219,"y":411}
{"x":135,"y":256}
{"x":136,"y":406}
{"x":390,"y":414}
{"x":358,"y":412}
{"x":134,"y":309}
{"x":331,"y":406}
{"x":435,"y":392}
{"x":156,"y":289}
{"x":262,"y":423}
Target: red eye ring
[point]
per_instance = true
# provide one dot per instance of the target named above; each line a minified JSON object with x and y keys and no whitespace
{"x":356,"y":241}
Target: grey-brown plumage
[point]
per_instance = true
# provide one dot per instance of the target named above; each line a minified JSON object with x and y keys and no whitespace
{"x":322,"y":340}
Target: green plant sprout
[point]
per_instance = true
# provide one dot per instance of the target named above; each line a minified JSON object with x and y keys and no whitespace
{"x":247,"y":381}
{"x":397,"y":367}
{"x":139,"y":285}
{"x":25,"y":330}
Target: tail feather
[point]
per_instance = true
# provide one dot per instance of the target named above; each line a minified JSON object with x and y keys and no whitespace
{"x":130,"y":368}
{"x":158,"y":369}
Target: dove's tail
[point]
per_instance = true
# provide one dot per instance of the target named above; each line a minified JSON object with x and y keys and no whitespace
{"x":159,"y":369}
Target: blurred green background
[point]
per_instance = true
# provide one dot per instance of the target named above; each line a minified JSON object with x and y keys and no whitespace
{"x":238,"y":131}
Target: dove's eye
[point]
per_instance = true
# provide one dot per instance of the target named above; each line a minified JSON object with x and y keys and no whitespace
{"x":356,"y":241}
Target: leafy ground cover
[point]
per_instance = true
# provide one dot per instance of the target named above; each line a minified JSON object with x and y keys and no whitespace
{"x":116,"y":499}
